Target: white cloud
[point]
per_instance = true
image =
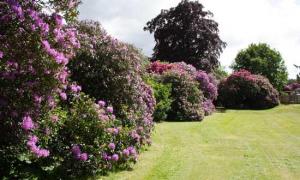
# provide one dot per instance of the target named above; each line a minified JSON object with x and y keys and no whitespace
{"x":241,"y":22}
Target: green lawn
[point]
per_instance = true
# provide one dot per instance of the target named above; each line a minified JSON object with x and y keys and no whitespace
{"x":232,"y":145}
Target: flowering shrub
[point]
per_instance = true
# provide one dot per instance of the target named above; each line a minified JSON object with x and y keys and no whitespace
{"x":209,"y":87}
{"x":48,"y":128}
{"x":111,"y":70}
{"x":207,"y":82}
{"x":93,"y":141}
{"x":245,"y":90}
{"x":35,"y":48}
{"x":291,"y":87}
{"x":187,"y":97}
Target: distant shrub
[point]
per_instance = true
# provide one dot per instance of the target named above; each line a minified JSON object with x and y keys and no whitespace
{"x":263,"y":60}
{"x":247,"y":91}
{"x":162,"y":93}
{"x":187,"y":97}
{"x":207,"y":82}
{"x":292,"y":86}
{"x":159,"y":67}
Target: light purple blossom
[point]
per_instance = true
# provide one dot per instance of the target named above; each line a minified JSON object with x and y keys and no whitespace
{"x":39,"y":152}
{"x":103,"y":117}
{"x":63,"y":76}
{"x":1,"y":54}
{"x":75,"y":88}
{"x":27,"y":123}
{"x":42,"y":153}
{"x":132,"y":150}
{"x":76,"y":151}
{"x":112,"y":146}
{"x":84,"y":157}
{"x":116,"y":131}
{"x":126,"y":152}
{"x":101,"y":103}
{"x":33,"y":138}
{"x":58,"y":20}
{"x":104,"y":156}
{"x":110,"y":109}
{"x":115,"y":157}
{"x":63,"y":96}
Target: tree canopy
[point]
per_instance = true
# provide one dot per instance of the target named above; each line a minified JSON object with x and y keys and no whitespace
{"x":187,"y":33}
{"x":298,"y":75}
{"x":262,"y":59}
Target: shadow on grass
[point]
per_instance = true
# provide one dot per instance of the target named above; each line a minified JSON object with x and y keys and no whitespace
{"x":223,"y":109}
{"x":180,"y":121}
{"x":220,"y":110}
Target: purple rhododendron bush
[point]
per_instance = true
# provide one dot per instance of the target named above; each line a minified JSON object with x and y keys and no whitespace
{"x":243,"y":90}
{"x":291,"y":86}
{"x":48,"y":127}
{"x":112,"y":70}
{"x":187,"y":97}
{"x":204,"y":82}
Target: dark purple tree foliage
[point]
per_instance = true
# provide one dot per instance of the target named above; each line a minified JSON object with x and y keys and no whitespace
{"x":187,"y":33}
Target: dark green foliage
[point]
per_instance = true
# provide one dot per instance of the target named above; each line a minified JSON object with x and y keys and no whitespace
{"x":187,"y":33}
{"x":298,"y":75}
{"x":261,"y":59}
{"x":187,"y":97}
{"x":162,"y":93}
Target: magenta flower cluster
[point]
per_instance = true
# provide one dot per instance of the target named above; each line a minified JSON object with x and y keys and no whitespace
{"x":39,"y":152}
{"x":78,"y":154}
{"x":35,"y":47}
{"x":209,"y":87}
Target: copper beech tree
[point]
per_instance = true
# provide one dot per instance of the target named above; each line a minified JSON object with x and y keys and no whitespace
{"x":187,"y":33}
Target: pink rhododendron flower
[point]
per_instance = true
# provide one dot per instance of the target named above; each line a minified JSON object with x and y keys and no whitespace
{"x":101,"y":103}
{"x":39,"y":152}
{"x":75,"y":88}
{"x":112,"y":146}
{"x":126,"y":152}
{"x":27,"y":123}
{"x":84,"y":157}
{"x":63,"y":96}
{"x":115,"y":157}
{"x":110,"y":109}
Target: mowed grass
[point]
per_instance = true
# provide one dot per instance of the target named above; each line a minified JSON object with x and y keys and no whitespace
{"x":237,"y":144}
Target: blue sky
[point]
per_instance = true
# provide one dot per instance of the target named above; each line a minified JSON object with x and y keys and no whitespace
{"x":241,"y":22}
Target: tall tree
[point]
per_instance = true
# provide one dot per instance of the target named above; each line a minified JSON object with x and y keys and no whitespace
{"x":298,"y":75}
{"x":187,"y":33}
{"x":262,"y":59}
